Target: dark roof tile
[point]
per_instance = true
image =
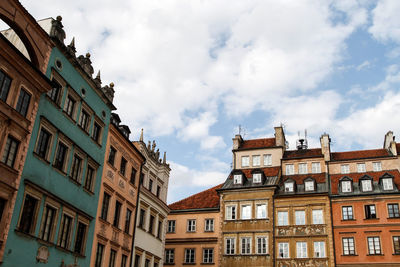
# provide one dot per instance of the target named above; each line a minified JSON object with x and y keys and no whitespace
{"x":205,"y":199}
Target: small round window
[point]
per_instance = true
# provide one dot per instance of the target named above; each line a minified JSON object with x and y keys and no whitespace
{"x":59,"y":64}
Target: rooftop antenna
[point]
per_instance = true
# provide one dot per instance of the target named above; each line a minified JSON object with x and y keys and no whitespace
{"x":302,"y":143}
{"x":240,"y":129}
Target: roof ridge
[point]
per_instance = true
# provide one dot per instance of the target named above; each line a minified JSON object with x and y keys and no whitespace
{"x":358,"y":150}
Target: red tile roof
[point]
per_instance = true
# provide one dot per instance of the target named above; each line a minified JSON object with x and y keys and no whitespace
{"x":299,"y":179}
{"x":258,"y":143}
{"x":360,"y":154}
{"x":268,"y":172}
{"x":335,"y":178}
{"x":205,"y":199}
{"x":303,"y":153}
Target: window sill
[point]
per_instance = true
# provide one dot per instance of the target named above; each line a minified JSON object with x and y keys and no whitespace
{"x":371,"y":219}
{"x":74,"y":181}
{"x":349,"y":220}
{"x":69,"y":117}
{"x":207,"y":263}
{"x":88,"y":191}
{"x":208,"y":231}
{"x":191,"y":232}
{"x":375,"y":254}
{"x":85,"y":131}
{"x":391,"y":218}
{"x":171,"y":263}
{"x":40,"y":158}
{"x":349,"y":255}
{"x":104,"y":221}
{"x":59,"y":171}
{"x":189,"y":263}
{"x":57,"y":105}
{"x":94,"y":141}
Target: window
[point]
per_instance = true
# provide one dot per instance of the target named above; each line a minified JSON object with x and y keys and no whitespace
{"x":48,"y":223}
{"x":246,"y":212}
{"x":191,"y":225}
{"x":128,"y":217}
{"x":141,"y":218}
{"x":315,"y":167}
{"x":301,"y":248}
{"x":171,"y":226}
{"x":209,"y":225}
{"x":208,"y":255}
{"x":158,"y":191}
{"x":370,"y":212}
{"x":123,"y":166}
{"x":283,"y":250}
{"x":117,"y":213}
{"x":99,"y":255}
{"x":256,"y":160}
{"x":96,"y":132}
{"x":146,"y":263}
{"x":319,"y":249}
{"x":361,"y":167}
{"x":317,"y":217}
{"x":289,"y":187}
{"x":150,"y":185}
{"x":112,"y":258}
{"x":300,"y":217}
{"x":374,"y":245}
{"x":10,"y":151}
{"x":347,"y":213}
{"x":23,"y":102}
{"x":43,"y":143}
{"x":60,"y":156}
{"x":396,"y":244}
{"x":283,"y":218}
{"x":76,"y":168}
{"x":267,"y":160}
{"x":387,"y":183}
{"x":84,"y":120}
{"x":246,"y":245}
{"x":245,"y":161}
{"x":133,"y":175}
{"x":303,"y":168}
{"x":80,"y":238}
{"x":159,"y":229}
{"x":309,"y":185}
{"x":169,"y":256}
{"x":124,"y":260}
{"x":104,"y":207}
{"x":345,"y":186}
{"x":393,"y":210}
{"x":111,"y":156}
{"x":377,"y":166}
{"x":5,"y":83}
{"x":65,"y":231}
{"x":27,"y":221}
{"x":151,"y":224}
{"x":237,"y":179}
{"x":256,"y":178}
{"x":230,"y":246}
{"x":289,"y":169}
{"x":366,"y":185}
{"x":345,"y":168}
{"x":261,"y":245}
{"x":69,"y":106}
{"x":189,"y":255}
{"x":3,"y":203}
{"x":54,"y":93}
{"x":348,"y":246}
{"x":230,"y":212}
{"x":261,"y":211}
{"x":137,"y":260}
{"x":89,"y":178}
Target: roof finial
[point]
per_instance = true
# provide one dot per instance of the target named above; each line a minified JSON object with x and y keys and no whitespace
{"x":71,"y":47}
{"x":165,"y":157}
{"x":141,"y":136}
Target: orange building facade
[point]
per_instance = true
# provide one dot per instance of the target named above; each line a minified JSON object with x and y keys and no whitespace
{"x":115,"y":222}
{"x":22,"y":82}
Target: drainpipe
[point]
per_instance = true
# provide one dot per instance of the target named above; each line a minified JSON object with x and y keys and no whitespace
{"x":136,"y":212}
{"x":330,"y":204}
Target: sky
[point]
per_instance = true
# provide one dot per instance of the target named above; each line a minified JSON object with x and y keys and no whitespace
{"x":190,"y":72}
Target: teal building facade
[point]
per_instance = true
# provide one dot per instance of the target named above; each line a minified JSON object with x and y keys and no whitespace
{"x":54,"y":216}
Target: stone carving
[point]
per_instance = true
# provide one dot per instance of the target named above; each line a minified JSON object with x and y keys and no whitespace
{"x":43,"y":254}
{"x":121,"y":183}
{"x":110,"y":175}
{"x":109,"y":91}
{"x":71,"y":48}
{"x":56,"y":30}
{"x":115,"y":236}
{"x":315,"y":262}
{"x":86,"y":64}
{"x":301,"y":230}
{"x":102,"y":229}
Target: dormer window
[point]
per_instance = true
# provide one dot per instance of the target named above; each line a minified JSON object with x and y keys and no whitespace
{"x":245,"y":161}
{"x":309,"y":185}
{"x":345,"y":168}
{"x":345,"y":186}
{"x":237,"y":179}
{"x":366,"y":185}
{"x":256,"y":178}
{"x":289,"y":169}
{"x":360,"y":167}
{"x":289,"y":187}
{"x":387,"y":183}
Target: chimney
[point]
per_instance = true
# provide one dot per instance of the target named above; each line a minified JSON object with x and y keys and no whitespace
{"x":389,"y":143}
{"x":326,"y":146}
{"x":237,"y":141}
{"x":280,"y":139}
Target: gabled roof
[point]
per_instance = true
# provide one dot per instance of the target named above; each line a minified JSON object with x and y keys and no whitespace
{"x":271,"y":175}
{"x":206,"y":199}
{"x":303,"y":153}
{"x":258,"y":143}
{"x":360,"y":154}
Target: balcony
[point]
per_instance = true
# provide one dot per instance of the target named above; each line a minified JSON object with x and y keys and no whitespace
{"x":301,"y":230}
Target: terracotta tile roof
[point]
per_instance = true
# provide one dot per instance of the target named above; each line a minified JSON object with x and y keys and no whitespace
{"x":359,"y":154}
{"x":335,"y":178}
{"x":303,"y":153}
{"x":268,"y":172}
{"x":205,"y":199}
{"x":258,"y":143}
{"x":299,"y":179}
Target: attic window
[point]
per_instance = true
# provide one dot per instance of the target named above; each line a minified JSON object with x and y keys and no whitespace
{"x":256,"y":178}
{"x":366,"y":185}
{"x":289,"y":187}
{"x":309,"y":185}
{"x":237,"y":179}
{"x":345,"y":186}
{"x":387,"y":183}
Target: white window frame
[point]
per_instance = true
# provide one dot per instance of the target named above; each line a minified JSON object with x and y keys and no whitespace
{"x":262,"y":244}
{"x":245,"y":161}
{"x":267,"y":160}
{"x":309,"y":185}
{"x":345,"y":168}
{"x":209,"y":225}
{"x":319,"y":249}
{"x":289,"y":186}
{"x":261,"y":211}
{"x":377,"y":166}
{"x":191,"y":225}
{"x":245,"y":245}
{"x":283,"y":250}
{"x":208,"y":259}
{"x":245,"y":212}
{"x":303,"y":168}
{"x":283,"y":218}
{"x":316,"y":167}
{"x":388,"y":185}
{"x":301,"y":250}
{"x":289,"y":169}
{"x":230,"y":212}
{"x":230,"y":248}
{"x":361,"y":167}
{"x":257,"y":178}
{"x":317,"y":216}
{"x":346,"y":186}
{"x":171,"y":226}
{"x":366,"y":185}
{"x":300,"y":217}
{"x":237,"y":179}
{"x":256,"y":160}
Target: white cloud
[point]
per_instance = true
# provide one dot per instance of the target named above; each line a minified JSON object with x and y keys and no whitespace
{"x":392,"y":77}
{"x":386,"y":21}
{"x":366,"y":64}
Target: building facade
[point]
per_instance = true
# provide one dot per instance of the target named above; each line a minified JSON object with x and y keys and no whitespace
{"x":115,"y":220}
{"x":22,"y":81}
{"x":152,"y":209}
{"x":53,"y":219}
{"x":193,"y":230}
